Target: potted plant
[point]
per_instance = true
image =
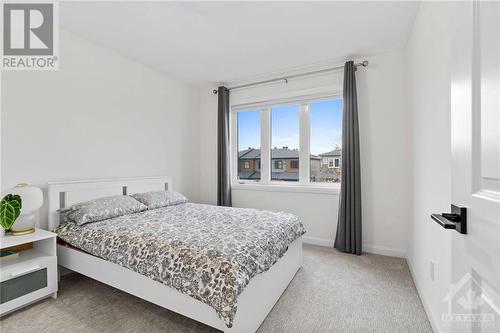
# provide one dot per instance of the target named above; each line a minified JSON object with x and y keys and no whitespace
{"x":10,"y":209}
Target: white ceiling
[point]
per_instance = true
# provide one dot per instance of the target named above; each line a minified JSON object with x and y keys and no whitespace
{"x":214,"y":42}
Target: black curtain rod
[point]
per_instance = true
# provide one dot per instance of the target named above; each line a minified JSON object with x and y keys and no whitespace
{"x":286,"y":78}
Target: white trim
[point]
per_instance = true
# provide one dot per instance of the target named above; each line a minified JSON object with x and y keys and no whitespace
{"x":373,"y":249}
{"x":427,"y":307}
{"x":265,"y":146}
{"x":304,"y":144}
{"x":284,"y":187}
{"x":233,"y":144}
{"x":384,"y":250}
{"x":318,"y":241}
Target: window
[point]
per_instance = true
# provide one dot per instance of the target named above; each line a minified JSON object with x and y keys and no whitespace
{"x":248,"y":145}
{"x":296,"y":143}
{"x":285,"y":141}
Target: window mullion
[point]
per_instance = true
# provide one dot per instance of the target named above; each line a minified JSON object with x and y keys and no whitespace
{"x":233,"y":145}
{"x":265,"y":145}
{"x":304,"y":150}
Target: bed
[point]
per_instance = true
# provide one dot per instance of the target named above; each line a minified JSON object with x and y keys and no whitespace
{"x":225,"y":267}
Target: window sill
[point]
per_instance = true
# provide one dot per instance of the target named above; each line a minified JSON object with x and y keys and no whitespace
{"x":317,"y":189}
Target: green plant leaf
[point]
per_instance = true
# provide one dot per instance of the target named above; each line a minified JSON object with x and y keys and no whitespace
{"x":10,"y":209}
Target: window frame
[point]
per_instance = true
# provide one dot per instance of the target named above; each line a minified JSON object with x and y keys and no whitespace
{"x":279,"y":163}
{"x":303,"y":99}
{"x":331,"y":163}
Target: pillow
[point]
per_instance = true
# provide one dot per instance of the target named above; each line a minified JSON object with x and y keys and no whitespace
{"x":103,"y":208}
{"x":160,"y":199}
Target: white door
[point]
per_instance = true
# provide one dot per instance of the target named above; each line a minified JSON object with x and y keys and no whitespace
{"x":474,"y":299}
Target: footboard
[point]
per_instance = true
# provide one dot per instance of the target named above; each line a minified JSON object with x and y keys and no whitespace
{"x":254,"y":304}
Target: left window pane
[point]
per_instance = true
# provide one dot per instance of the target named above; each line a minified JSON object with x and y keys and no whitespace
{"x":249,"y":145}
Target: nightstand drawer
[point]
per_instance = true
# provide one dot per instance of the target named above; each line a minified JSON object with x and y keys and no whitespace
{"x":27,"y":281}
{"x":23,"y":284}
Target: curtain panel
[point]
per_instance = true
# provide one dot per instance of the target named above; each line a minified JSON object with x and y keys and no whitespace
{"x":223,"y":153}
{"x":348,"y":237}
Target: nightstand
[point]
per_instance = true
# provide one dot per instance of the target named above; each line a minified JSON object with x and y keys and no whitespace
{"x":32,"y":275}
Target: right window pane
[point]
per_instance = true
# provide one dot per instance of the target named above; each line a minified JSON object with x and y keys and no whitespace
{"x":326,"y":141}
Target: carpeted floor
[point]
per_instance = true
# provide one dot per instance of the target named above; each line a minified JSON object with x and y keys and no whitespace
{"x":333,"y":292}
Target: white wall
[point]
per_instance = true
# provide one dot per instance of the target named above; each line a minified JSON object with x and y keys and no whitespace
{"x":100,"y":116}
{"x":385,"y":151}
{"x":429,"y":96}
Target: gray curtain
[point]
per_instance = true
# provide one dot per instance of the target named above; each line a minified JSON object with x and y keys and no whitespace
{"x":348,"y":238}
{"x":223,"y":166}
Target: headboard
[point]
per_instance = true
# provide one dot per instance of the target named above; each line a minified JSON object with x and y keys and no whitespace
{"x":65,"y":194}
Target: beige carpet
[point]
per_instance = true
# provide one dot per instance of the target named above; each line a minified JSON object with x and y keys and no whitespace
{"x":333,"y":292}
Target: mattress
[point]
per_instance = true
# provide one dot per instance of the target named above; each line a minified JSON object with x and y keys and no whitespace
{"x":207,"y":252}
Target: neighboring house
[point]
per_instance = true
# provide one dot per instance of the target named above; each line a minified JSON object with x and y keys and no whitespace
{"x":330,"y":166}
{"x":284,"y":164}
{"x":249,"y":164}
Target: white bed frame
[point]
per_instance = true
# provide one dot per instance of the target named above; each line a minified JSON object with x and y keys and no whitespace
{"x":254,"y":303}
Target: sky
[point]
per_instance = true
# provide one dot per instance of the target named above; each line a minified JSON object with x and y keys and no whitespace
{"x":326,"y":126}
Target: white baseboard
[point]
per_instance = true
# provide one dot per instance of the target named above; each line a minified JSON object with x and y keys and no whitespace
{"x":432,"y":319}
{"x":385,"y":251}
{"x":382,"y":250}
{"x":318,"y":241}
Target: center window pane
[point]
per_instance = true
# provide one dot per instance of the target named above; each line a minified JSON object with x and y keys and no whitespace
{"x":285,"y":143}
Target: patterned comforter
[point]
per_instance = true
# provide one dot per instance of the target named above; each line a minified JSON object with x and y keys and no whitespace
{"x":207,"y":252}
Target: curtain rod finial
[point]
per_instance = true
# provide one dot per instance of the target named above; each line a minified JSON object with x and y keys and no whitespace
{"x":214,"y":91}
{"x":364,"y":63}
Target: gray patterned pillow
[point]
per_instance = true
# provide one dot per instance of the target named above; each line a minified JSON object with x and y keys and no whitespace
{"x":103,"y":208}
{"x":160,"y":199}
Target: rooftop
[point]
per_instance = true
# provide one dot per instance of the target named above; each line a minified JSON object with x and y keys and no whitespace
{"x":277,"y":153}
{"x":334,"y":152}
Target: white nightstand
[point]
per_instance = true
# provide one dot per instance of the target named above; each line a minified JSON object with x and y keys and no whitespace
{"x":31,"y":276}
